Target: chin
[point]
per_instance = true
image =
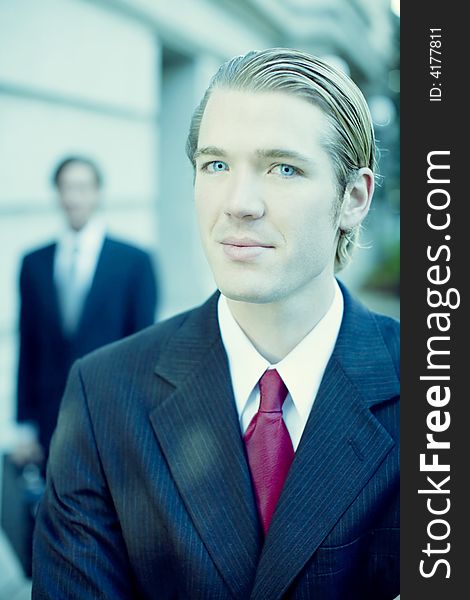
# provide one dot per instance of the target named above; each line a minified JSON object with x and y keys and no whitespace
{"x":246,"y":283}
{"x":76,"y":222}
{"x":245,"y":293}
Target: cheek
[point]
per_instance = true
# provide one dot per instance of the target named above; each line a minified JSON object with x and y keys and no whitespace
{"x":205,"y":212}
{"x":67,"y":199}
{"x":208,"y":198}
{"x":90,"y":202}
{"x":311,"y":234}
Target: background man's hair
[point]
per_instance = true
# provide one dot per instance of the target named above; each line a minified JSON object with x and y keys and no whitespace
{"x":83,"y":160}
{"x":351,"y":143}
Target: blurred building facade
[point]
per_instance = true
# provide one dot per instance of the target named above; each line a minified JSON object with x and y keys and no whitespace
{"x":118,"y":80}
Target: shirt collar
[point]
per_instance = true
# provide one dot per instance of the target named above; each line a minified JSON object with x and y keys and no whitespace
{"x":301,"y":370}
{"x":245,"y":363}
{"x":91,"y":235}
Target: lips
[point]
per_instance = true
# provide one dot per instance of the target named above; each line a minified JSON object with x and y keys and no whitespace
{"x":245,"y":242}
{"x":244,"y":249}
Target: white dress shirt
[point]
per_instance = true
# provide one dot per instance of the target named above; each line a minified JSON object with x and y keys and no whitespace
{"x":78,"y":251}
{"x":301,"y":370}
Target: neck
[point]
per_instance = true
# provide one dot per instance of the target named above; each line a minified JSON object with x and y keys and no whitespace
{"x":275,"y":328}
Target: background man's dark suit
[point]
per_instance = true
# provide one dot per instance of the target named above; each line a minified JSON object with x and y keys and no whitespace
{"x":150,"y":493}
{"x":121,"y":301}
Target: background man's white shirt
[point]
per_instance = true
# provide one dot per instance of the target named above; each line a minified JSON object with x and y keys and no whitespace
{"x":75,"y":262}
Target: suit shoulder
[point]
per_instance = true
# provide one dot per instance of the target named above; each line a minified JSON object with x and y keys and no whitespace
{"x":143,"y":346}
{"x":389,"y":326}
{"x":390,"y":331}
{"x":39,"y":253}
{"x":126,"y":249}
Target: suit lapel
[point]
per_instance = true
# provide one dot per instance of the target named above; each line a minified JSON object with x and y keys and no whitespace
{"x":198,"y":430}
{"x":342,"y":446}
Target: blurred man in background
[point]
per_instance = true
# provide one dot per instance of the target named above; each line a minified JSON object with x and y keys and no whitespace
{"x":77,"y":294}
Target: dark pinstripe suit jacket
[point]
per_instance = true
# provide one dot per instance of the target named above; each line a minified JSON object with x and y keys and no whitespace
{"x":149,"y":493}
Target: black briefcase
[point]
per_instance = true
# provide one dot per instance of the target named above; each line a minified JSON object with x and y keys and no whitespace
{"x":22,"y":488}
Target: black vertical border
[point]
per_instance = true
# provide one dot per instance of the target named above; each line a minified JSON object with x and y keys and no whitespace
{"x":425,"y":127}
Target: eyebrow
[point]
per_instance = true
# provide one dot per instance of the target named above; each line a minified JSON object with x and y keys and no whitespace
{"x":278,"y":153}
{"x":209,"y":151}
{"x":283,"y":153}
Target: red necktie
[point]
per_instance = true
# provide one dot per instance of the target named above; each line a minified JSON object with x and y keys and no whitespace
{"x":268,"y":445}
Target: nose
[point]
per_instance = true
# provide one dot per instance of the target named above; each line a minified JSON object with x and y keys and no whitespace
{"x":244,"y":198}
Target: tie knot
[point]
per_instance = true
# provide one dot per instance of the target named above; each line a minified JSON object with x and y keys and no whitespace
{"x":273,"y":392}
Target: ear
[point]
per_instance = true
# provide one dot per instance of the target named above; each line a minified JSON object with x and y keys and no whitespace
{"x":357,"y":198}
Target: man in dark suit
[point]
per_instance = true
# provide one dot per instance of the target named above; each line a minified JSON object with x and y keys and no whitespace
{"x":247,"y":448}
{"x":77,"y":294}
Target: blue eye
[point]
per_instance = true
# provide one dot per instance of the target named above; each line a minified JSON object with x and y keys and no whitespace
{"x":286,"y":170}
{"x":217,"y":166}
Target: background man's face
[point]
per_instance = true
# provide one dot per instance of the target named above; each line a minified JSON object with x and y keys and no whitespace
{"x":265,"y":194}
{"x":78,"y":193}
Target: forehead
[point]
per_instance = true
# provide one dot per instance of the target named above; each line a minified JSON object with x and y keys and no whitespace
{"x":77,"y":170}
{"x":247,"y":120}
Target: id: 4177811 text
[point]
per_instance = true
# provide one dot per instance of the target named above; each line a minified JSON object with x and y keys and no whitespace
{"x":435,"y":64}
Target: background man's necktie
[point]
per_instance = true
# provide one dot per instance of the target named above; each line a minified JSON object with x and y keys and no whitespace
{"x":70,"y":297}
{"x":268,"y":445}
